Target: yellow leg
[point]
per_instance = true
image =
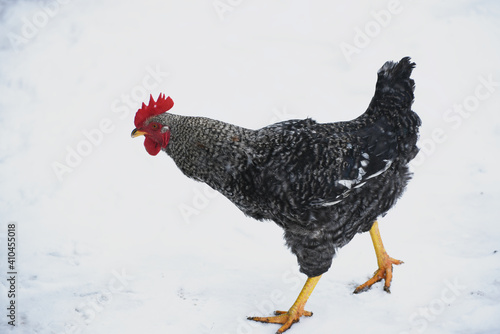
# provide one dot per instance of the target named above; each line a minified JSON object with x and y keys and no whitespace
{"x":384,"y":261}
{"x":287,"y":319}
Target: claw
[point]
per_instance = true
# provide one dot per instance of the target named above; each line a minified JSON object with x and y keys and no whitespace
{"x":287,"y":319}
{"x":385,"y":263}
{"x":383,"y":273}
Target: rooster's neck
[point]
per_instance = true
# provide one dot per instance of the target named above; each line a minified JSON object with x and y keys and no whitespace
{"x":206,"y":149}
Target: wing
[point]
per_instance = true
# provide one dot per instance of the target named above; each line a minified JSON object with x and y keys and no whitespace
{"x":360,"y":156}
{"x":311,"y":165}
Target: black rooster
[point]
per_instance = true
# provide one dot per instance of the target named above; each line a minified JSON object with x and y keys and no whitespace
{"x":322,"y":183}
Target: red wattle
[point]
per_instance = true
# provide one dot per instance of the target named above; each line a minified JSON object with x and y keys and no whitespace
{"x":152,"y":147}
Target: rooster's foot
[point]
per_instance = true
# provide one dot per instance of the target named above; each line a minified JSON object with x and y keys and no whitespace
{"x":287,"y":319}
{"x":384,"y":261}
{"x":384,"y":272}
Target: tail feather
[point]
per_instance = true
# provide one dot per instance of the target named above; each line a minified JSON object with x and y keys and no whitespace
{"x":394,"y":79}
{"x":394,"y":98}
{"x":401,"y":69}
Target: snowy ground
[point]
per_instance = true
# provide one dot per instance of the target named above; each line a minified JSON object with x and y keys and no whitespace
{"x":112,"y":240}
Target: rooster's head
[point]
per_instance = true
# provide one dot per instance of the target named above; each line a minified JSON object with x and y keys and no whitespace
{"x":157,"y":135}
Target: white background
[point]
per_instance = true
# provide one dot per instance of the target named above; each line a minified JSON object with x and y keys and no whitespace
{"x":112,"y":240}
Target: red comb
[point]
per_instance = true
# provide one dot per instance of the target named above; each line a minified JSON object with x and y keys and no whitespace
{"x":161,"y":105}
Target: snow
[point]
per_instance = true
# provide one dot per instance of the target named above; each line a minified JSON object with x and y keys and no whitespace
{"x":112,"y":240}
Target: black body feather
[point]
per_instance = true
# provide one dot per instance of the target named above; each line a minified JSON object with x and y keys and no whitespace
{"x":322,"y":183}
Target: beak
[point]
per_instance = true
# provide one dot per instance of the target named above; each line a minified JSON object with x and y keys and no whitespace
{"x":137,"y":133}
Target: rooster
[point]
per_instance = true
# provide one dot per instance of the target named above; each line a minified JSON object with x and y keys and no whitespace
{"x":322,"y":183}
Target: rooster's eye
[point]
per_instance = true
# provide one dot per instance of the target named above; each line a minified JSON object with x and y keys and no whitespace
{"x":154,"y":126}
